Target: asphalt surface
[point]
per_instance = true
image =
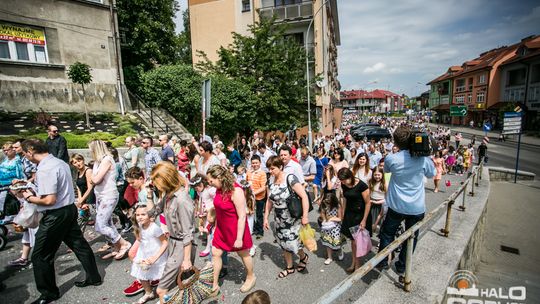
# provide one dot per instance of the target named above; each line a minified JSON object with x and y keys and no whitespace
{"x":19,"y":286}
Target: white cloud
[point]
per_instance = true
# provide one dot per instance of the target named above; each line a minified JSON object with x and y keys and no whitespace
{"x":406,"y":42}
{"x":379,"y":66}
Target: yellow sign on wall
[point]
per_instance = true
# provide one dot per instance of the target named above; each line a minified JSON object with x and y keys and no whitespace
{"x":21,"y":34}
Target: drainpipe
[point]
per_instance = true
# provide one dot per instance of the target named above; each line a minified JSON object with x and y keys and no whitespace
{"x":118,"y":61}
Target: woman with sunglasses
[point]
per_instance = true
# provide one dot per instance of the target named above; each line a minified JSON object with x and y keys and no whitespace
{"x":357,"y":207}
{"x":338,"y":160}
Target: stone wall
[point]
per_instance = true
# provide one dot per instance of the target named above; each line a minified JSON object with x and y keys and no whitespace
{"x":505,"y":174}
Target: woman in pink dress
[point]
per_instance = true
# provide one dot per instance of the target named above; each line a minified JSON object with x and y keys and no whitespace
{"x":231,"y":232}
{"x":441,"y":169}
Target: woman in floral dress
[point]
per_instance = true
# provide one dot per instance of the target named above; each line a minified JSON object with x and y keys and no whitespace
{"x":287,"y":228}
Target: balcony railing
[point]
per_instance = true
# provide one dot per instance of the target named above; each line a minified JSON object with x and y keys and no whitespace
{"x":299,"y":11}
{"x":514,"y":94}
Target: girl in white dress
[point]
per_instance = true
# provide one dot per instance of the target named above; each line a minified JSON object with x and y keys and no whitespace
{"x":150,"y":260}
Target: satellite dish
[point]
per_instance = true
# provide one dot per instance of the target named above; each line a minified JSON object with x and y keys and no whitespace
{"x":321,"y":83}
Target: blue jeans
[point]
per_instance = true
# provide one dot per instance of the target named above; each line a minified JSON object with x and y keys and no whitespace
{"x":390,"y":226}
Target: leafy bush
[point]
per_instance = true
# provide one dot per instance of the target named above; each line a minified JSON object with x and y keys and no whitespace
{"x":77,"y":141}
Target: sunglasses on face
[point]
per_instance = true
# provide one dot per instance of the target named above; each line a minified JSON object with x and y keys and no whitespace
{"x":54,"y":131}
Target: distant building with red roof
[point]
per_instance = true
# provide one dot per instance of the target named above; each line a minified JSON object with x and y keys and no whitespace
{"x":376,"y":101}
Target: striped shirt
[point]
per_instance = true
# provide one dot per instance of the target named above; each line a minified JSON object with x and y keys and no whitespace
{"x":258,"y":181}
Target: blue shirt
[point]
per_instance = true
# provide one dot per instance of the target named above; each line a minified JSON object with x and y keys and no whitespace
{"x":374,"y":158}
{"x":320,"y":163}
{"x":10,"y":170}
{"x":235,"y":158}
{"x":406,"y":194}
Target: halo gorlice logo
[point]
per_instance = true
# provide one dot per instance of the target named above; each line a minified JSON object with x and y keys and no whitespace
{"x":463,"y":289}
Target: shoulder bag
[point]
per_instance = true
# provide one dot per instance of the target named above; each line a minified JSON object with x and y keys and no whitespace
{"x":294,"y":202}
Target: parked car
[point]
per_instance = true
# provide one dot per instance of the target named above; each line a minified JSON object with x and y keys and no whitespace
{"x":378,"y":133}
{"x":362,"y":131}
{"x":361,"y":125}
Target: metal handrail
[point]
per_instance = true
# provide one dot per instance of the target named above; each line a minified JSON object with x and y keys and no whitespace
{"x":408,"y":236}
{"x":142,"y":107}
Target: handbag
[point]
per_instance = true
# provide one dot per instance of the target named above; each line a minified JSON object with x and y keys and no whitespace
{"x":196,"y":288}
{"x":294,"y":202}
{"x":363,"y":241}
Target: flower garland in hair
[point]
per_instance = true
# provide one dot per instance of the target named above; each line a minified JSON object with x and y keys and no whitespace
{"x":195,"y":181}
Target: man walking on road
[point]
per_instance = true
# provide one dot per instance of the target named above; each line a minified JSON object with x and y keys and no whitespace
{"x":482,"y":151}
{"x":406,"y":194}
{"x":54,"y":199}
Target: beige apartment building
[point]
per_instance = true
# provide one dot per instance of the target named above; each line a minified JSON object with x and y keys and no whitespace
{"x":213,"y":21}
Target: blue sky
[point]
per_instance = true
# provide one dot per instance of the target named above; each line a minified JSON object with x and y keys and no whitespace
{"x":402,"y":45}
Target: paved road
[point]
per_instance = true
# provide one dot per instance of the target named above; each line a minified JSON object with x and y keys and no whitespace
{"x":297,"y":288}
{"x":503,"y":154}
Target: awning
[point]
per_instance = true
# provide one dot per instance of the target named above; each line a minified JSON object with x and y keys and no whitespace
{"x":443,"y":107}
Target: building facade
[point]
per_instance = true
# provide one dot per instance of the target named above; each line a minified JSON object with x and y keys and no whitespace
{"x":40,"y":39}
{"x":494,"y":82}
{"x":213,"y":21}
{"x":376,"y":101}
{"x":520,"y":81}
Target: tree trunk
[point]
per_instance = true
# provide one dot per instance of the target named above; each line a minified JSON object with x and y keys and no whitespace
{"x":86,"y":107}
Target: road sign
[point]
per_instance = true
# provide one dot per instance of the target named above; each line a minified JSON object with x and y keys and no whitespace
{"x":512,"y":123}
{"x":458,"y":110}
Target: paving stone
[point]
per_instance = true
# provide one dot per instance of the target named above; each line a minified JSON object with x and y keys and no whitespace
{"x":68,"y":131}
{"x":100,"y":130}
{"x":23,"y":131}
{"x":18,"y":126}
{"x":98,"y":122}
{"x":80,"y":128}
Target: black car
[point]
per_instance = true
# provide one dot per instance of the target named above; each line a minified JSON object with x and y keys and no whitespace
{"x":358,"y":126}
{"x":378,"y":133}
{"x":362,"y":131}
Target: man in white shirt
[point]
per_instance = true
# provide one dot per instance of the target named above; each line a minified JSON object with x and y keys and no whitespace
{"x":264,"y":153}
{"x":374,"y":156}
{"x":346,"y":152}
{"x":289,"y":166}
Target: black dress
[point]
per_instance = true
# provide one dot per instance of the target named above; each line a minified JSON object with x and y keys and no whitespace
{"x":354,"y":209}
{"x":82,"y":185}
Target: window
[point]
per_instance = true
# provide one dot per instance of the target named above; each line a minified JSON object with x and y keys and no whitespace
{"x":470,"y":82}
{"x":4,"y":49}
{"x":39,"y":52}
{"x":22,"y":51}
{"x":535,"y":73}
{"x":21,"y":43}
{"x":246,"y":5}
{"x":296,"y":37}
{"x":480,"y":97}
{"x":286,"y":2}
{"x":460,"y":85}
{"x":460,"y":99}
{"x":516,"y":77}
{"x":469,"y":98}
{"x":482,"y":79}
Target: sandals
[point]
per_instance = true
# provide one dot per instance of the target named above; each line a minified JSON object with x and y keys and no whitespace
{"x":286,"y":272}
{"x":145,"y":298}
{"x":104,"y":248}
{"x":123,"y":251}
{"x":303,"y":263}
{"x":109,"y":255}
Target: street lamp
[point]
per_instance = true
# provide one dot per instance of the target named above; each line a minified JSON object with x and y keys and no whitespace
{"x":310,"y":135}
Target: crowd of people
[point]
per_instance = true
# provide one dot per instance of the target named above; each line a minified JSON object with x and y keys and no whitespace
{"x":169,"y":197}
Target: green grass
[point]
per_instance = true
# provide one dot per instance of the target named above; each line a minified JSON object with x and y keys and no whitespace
{"x":76,"y":141}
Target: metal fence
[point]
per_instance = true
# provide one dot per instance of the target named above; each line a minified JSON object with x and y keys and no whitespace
{"x":408,"y":236}
{"x":156,"y":122}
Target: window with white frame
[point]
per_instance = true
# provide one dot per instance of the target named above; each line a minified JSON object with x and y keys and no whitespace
{"x":469,"y":98}
{"x":460,"y":99}
{"x":246,"y":5}
{"x":22,"y":43}
{"x":480,"y":97}
{"x":482,"y":79}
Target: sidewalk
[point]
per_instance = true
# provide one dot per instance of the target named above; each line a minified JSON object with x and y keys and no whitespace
{"x":493,"y":135}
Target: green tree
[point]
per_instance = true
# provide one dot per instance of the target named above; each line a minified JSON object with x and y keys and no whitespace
{"x":184,"y":41}
{"x":272,"y":66}
{"x":80,"y":73}
{"x":149,"y":38}
{"x":177,"y":88}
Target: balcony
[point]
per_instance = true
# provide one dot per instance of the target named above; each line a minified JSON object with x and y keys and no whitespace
{"x":291,"y":12}
{"x":514,"y":94}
